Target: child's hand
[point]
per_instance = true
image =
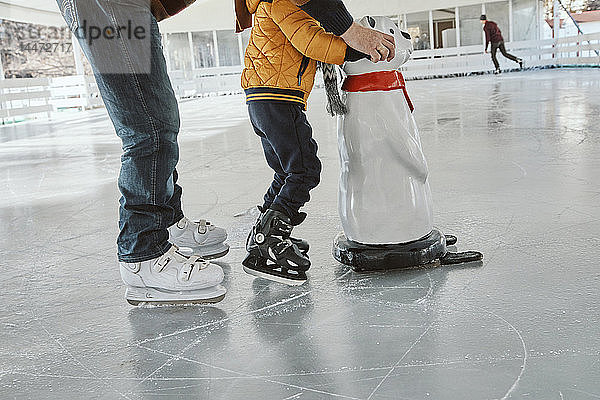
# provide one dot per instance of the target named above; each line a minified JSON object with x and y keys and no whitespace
{"x":379,"y":46}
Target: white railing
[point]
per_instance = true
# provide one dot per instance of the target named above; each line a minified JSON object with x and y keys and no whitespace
{"x":74,"y":92}
{"x":582,"y":50}
{"x":23,"y":97}
{"x":33,"y":97}
{"x":201,"y":82}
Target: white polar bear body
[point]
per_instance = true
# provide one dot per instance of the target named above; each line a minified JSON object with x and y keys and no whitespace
{"x":384,"y":195}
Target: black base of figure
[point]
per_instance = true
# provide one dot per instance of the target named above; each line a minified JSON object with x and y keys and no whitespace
{"x":428,"y":251}
{"x":461,"y":258}
{"x":451,"y":240}
{"x":261,"y":267}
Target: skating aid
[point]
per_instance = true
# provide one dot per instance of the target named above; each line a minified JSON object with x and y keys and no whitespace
{"x":272,"y":254}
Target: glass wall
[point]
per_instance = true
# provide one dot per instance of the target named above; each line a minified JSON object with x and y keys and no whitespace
{"x":417,"y":25}
{"x":498,"y":12}
{"x":470,"y":27}
{"x":524,"y":20}
{"x":229,"y":49}
{"x":444,"y":32}
{"x":204,"y":49}
{"x":178,"y":47}
{"x":222,"y":48}
{"x":245,"y":39}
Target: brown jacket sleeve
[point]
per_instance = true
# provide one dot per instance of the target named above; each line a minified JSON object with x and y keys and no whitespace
{"x":162,"y":9}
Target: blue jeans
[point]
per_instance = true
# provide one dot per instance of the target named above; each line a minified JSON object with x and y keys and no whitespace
{"x":133,"y":81}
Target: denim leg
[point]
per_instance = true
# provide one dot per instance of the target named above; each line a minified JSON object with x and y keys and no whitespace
{"x":290,"y":151}
{"x":175,"y":200}
{"x":133,"y":81}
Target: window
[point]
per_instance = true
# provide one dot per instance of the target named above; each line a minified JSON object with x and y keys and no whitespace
{"x":498,"y":12}
{"x":229,"y":50}
{"x":444,"y":29}
{"x":417,"y":25}
{"x":245,"y":39}
{"x":524,"y":20}
{"x":204,"y":49}
{"x":179,"y":51}
{"x":470,"y":27}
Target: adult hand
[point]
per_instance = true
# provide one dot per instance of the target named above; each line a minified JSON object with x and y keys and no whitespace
{"x":379,"y":46}
{"x":486,"y":51}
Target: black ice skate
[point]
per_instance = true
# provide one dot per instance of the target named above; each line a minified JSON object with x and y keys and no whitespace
{"x":272,"y":254}
{"x":302,"y":244}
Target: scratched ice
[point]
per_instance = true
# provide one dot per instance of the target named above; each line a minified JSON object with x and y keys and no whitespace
{"x":514,"y":167}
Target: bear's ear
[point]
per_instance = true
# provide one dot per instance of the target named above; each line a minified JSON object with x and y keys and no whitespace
{"x":371,"y":21}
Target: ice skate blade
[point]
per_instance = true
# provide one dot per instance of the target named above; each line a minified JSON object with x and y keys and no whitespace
{"x":206,"y":252}
{"x":151,"y":296}
{"x":274,"y":278}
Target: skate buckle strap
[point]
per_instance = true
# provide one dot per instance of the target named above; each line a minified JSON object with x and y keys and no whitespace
{"x":377,"y":81}
{"x":283,"y":227}
{"x":188,"y":267}
{"x":282,"y":246}
{"x":162,"y":263}
{"x":182,"y":223}
{"x":203,"y":226}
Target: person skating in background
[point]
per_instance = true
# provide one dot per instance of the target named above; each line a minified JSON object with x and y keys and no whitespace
{"x":494,"y":36}
{"x":280,"y":65}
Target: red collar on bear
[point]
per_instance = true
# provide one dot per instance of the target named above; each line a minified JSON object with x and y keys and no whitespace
{"x":375,"y":81}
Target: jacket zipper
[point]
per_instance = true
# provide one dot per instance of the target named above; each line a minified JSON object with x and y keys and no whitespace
{"x":303,"y":67}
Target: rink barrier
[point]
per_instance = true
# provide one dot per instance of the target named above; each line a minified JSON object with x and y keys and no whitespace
{"x":35,"y":97}
{"x":467,"y":60}
{"x":24,"y":97}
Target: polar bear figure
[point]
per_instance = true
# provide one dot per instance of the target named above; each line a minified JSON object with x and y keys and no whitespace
{"x":384,"y":194}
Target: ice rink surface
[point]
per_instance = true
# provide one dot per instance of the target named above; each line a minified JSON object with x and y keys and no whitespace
{"x":515,"y":165}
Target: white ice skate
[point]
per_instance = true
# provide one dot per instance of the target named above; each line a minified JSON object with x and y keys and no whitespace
{"x":173,"y":278}
{"x":203,"y":238}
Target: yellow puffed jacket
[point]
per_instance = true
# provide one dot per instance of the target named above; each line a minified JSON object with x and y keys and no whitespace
{"x":280,"y":58}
